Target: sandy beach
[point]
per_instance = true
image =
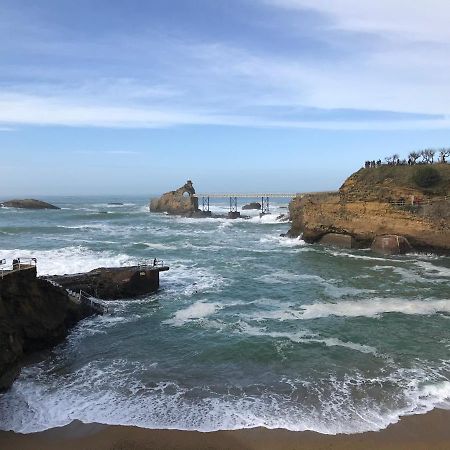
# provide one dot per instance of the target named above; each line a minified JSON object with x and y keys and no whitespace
{"x":429,"y":431}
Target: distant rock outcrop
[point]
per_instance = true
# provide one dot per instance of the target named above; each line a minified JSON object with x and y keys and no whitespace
{"x":28,"y":203}
{"x":183,"y":202}
{"x":34,"y":315}
{"x":252,"y":205}
{"x":378,"y":202}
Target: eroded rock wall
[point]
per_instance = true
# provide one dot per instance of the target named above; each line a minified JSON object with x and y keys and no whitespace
{"x":34,"y":315}
{"x":365,"y":210}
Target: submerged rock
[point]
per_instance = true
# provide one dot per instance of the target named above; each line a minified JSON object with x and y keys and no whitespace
{"x":28,"y":203}
{"x":253,"y":205}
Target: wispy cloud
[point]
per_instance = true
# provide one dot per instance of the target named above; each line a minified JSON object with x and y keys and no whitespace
{"x":153,"y":80}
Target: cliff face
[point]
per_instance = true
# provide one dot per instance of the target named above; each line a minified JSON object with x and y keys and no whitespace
{"x":379,"y":201}
{"x":34,"y":315}
{"x":182,"y":201}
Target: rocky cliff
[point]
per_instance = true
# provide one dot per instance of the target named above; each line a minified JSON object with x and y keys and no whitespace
{"x":183,"y":201}
{"x":34,"y":315}
{"x":379,"y":201}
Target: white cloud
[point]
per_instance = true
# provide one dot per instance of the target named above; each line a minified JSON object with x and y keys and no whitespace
{"x":214,"y":83}
{"x":412,"y":20}
{"x":32,"y":110}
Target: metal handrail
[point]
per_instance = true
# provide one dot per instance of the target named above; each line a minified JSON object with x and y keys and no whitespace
{"x":17,"y":264}
{"x":85,"y":298}
{"x":154,"y":263}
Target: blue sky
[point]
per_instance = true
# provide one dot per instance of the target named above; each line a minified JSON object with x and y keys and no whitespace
{"x":110,"y":97}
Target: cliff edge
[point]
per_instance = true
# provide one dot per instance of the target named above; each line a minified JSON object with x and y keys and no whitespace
{"x":408,"y":201}
{"x":34,"y":315}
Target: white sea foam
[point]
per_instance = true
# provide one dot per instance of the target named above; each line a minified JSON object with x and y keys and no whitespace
{"x":157,"y":245}
{"x":196,"y":311}
{"x":431,"y":274}
{"x":375,"y":307}
{"x":70,"y":259}
{"x":363,"y":257}
{"x":282,"y":241}
{"x":283,"y":276}
{"x":434,"y":271}
{"x":267,"y":219}
{"x":330,"y":287}
{"x":117,"y":394}
{"x":305,"y":337}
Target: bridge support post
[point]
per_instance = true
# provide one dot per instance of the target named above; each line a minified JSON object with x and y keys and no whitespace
{"x":234,"y":213}
{"x":205,"y":206}
{"x":264,"y":206}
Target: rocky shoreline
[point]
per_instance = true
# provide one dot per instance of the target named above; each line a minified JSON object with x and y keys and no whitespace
{"x":37,"y":313}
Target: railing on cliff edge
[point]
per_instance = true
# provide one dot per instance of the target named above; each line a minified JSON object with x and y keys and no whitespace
{"x":155,"y":263}
{"x":17,"y":265}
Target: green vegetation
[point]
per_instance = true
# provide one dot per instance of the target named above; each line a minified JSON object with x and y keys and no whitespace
{"x":379,"y":181}
{"x":426,"y":176}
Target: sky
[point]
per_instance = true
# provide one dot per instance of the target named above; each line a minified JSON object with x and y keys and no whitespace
{"x":136,"y":97}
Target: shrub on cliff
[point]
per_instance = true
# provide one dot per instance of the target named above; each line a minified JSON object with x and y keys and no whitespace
{"x":426,"y":176}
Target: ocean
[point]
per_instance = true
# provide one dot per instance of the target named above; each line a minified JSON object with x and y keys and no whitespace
{"x":248,"y":329}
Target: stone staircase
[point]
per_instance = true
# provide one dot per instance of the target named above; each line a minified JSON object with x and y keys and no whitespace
{"x":83,"y":298}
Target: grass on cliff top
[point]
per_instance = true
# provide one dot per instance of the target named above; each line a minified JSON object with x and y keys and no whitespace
{"x":401,"y":176}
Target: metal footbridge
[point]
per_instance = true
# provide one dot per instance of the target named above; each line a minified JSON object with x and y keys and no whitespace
{"x":263,"y":196}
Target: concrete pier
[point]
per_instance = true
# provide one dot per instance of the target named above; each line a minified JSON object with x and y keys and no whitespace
{"x":112,"y":283}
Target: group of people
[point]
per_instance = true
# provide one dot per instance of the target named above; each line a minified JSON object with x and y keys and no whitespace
{"x":399,"y":162}
{"x":368,"y":164}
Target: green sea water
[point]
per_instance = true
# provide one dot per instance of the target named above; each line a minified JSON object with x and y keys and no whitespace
{"x":249,"y":328}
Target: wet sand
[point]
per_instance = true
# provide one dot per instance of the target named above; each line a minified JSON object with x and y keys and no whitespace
{"x":429,"y":431}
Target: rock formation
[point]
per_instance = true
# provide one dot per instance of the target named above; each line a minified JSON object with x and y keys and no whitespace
{"x":391,"y":244}
{"x":34,"y":315}
{"x":252,"y":205}
{"x":183,"y":202}
{"x":28,"y":203}
{"x":376,"y":202}
{"x":115,"y":282}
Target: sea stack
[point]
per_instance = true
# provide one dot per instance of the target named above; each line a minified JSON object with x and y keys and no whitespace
{"x":181,"y":202}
